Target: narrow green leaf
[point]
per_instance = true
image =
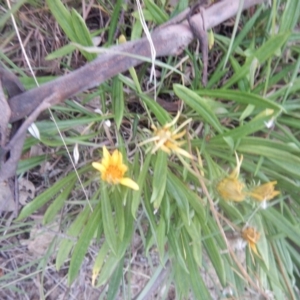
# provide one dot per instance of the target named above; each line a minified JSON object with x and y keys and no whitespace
{"x":198,"y":286}
{"x":161,"y":114}
{"x":108,"y":221}
{"x":7,"y":15}
{"x":63,"y":17}
{"x":266,"y":51}
{"x":242,"y":97}
{"x":159,"y":178}
{"x":119,"y":215}
{"x":137,"y":30}
{"x":83,"y":243}
{"x":118,"y":100}
{"x":161,"y":238}
{"x":83,"y":36}
{"x":115,"y":281}
{"x":290,"y":16}
{"x":58,"y":203}
{"x":73,"y":232}
{"x":25,"y":165}
{"x":114,"y":21}
{"x":159,"y":16}
{"x":174,"y":243}
{"x":282,"y":225}
{"x":61,"y":52}
{"x":46,"y":196}
{"x":109,"y":267}
{"x":141,"y":181}
{"x":262,"y":243}
{"x":245,"y":130}
{"x":199,"y":105}
{"x":214,"y":254}
{"x":184,"y":196}
{"x":99,"y":261}
{"x":148,"y":209}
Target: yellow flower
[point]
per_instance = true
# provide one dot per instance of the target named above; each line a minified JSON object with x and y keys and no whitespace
{"x":166,"y":138}
{"x":251,"y":236}
{"x":231,"y":188}
{"x":264,"y":192}
{"x":112,"y":169}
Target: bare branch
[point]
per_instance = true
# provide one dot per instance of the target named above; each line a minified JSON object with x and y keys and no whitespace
{"x":166,"y":40}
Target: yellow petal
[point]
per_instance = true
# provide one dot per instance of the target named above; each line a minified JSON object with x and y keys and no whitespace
{"x":99,"y":167}
{"x":106,"y":155}
{"x":179,"y":135}
{"x":231,"y":189}
{"x":265,"y":191}
{"x":129,"y":183}
{"x":123,"y":168}
{"x":183,"y":152}
{"x":253,"y":248}
{"x":115,"y":158}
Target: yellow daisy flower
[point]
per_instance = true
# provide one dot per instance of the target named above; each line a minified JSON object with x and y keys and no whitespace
{"x":112,"y":169}
{"x":251,"y":236}
{"x":231,"y":188}
{"x":166,"y":138}
{"x":264,"y":192}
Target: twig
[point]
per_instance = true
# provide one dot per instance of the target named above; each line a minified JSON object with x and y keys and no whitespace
{"x":166,"y":41}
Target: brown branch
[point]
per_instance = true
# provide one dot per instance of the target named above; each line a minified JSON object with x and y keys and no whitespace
{"x":31,"y":103}
{"x":166,"y":40}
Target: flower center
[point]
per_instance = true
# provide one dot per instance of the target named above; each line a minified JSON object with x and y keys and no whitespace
{"x":114,"y":174}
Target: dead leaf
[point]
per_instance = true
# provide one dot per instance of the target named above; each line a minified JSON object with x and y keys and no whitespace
{"x":41,"y":238}
{"x":6,"y":198}
{"x":26,"y":191}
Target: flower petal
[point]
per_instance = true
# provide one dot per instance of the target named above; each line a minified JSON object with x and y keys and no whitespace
{"x":130,"y":183}
{"x":99,"y":167}
{"x":106,"y":155}
{"x":265,"y":192}
{"x":115,"y":157}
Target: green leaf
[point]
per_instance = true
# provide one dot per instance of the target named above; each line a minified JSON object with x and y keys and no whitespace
{"x":114,"y":21}
{"x":184,"y":196}
{"x":242,"y":97}
{"x":161,"y":114}
{"x":137,"y":30}
{"x":199,"y":105}
{"x":266,"y":51}
{"x":61,"y":52}
{"x":198,"y":286}
{"x":109,"y":267}
{"x":83,"y":36}
{"x":290,"y":16}
{"x":159,"y":178}
{"x":108,"y":221}
{"x":282,"y":225}
{"x":161,"y":238}
{"x":7,"y":15}
{"x":141,"y":181}
{"x":46,"y":196}
{"x":158,"y":15}
{"x":262,"y":244}
{"x":25,"y":165}
{"x":214,"y":254}
{"x":118,"y":100}
{"x":174,"y":243}
{"x":99,"y":261}
{"x":63,"y":17}
{"x":66,"y":244}
{"x":253,"y":126}
{"x":58,"y":203}
{"x":115,"y":281}
{"x":83,"y":243}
